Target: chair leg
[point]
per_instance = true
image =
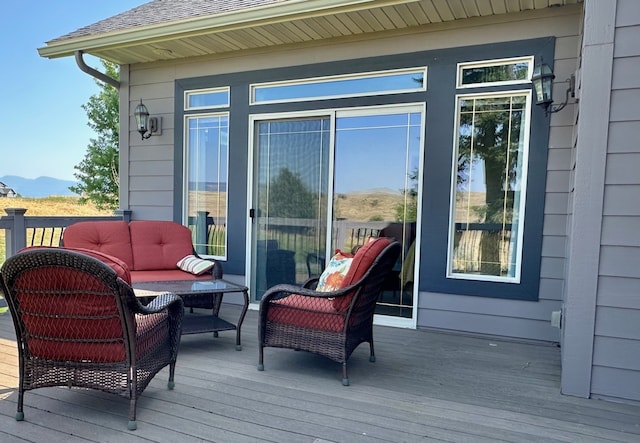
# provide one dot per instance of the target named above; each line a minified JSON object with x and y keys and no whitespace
{"x":172,"y":369}
{"x":345,"y":378}
{"x":133,"y":424}
{"x":261,"y":358}
{"x":20,"y":411}
{"x":372,"y":354}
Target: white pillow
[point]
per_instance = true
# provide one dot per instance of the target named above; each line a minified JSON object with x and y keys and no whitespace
{"x":195,"y":265}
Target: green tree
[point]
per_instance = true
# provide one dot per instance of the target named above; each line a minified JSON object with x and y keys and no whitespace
{"x":289,"y":197}
{"x":98,"y":173}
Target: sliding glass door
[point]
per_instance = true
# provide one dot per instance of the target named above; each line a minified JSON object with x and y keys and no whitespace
{"x":330,"y":182}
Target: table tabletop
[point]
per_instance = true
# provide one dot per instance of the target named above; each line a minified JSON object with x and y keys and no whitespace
{"x":187,"y":287}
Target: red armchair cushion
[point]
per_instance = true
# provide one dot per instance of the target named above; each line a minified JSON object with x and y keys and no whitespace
{"x":120,"y":267}
{"x":307,"y":312}
{"x":91,"y":320}
{"x":362,"y":261}
{"x":158,"y":245}
{"x":108,"y":237}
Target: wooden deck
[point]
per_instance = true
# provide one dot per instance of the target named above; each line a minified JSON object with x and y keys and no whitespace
{"x":425,"y":386}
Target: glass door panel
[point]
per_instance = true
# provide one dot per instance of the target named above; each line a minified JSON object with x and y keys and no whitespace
{"x":289,"y":201}
{"x":377,"y":158}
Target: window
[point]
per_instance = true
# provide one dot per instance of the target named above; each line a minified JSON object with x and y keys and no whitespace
{"x":356,"y":85}
{"x":205,"y":188}
{"x":488,"y":192}
{"x":495,"y":72}
{"x":206,"y":99}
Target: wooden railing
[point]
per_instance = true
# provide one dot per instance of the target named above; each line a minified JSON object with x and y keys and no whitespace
{"x":21,"y":230}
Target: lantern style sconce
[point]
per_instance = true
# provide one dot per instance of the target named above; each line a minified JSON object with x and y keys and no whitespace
{"x":542,"y":80}
{"x":147,"y":126}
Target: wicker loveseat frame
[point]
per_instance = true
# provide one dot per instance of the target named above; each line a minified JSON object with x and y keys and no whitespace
{"x":80,"y":325}
{"x":331,"y":324}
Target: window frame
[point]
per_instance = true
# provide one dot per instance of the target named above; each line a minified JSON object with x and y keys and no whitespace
{"x":493,"y":62}
{"x":523,"y":186}
{"x":186,"y":176}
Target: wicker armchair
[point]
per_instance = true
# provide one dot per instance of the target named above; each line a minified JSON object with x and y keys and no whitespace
{"x":331,"y":324}
{"x":80,"y":325}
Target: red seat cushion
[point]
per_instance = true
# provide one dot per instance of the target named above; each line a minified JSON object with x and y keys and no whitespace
{"x":306,"y":312}
{"x":362,"y":261}
{"x":158,"y":245}
{"x":108,"y":237}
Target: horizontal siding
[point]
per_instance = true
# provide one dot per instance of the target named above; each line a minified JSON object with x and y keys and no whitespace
{"x":520,"y":328}
{"x":627,"y":14}
{"x":623,"y":137}
{"x":620,"y":261}
{"x":555,"y":224}
{"x":624,"y":105}
{"x":551,"y":289}
{"x":618,"y":323}
{"x":622,"y":292}
{"x":616,"y":357}
{"x":510,"y":318}
{"x":622,"y":199}
{"x":556,"y":203}
{"x":615,"y":383}
{"x":621,"y":231}
{"x":623,"y":169}
{"x":617,"y":353}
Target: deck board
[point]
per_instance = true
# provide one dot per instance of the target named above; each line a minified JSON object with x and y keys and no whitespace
{"x":424,"y":386}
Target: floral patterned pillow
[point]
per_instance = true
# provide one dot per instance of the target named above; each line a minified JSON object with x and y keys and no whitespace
{"x":334,"y":273}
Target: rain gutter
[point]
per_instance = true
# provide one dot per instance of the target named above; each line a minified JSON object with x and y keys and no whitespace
{"x":94,"y":72}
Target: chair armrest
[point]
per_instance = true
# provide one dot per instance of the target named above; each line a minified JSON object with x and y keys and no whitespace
{"x":160,"y":303}
{"x":282,"y":291}
{"x":311,"y":282}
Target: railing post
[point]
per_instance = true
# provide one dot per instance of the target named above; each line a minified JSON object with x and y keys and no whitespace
{"x":125,"y":214}
{"x":18,"y":238}
{"x":201,"y":232}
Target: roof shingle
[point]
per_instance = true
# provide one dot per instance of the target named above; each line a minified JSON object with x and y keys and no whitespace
{"x":162,"y":11}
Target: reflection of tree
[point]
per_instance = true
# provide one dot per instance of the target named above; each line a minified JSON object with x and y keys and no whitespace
{"x":490,"y":135}
{"x":289,"y":197}
{"x":407,"y":211}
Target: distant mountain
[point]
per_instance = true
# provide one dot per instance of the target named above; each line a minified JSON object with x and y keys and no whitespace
{"x":38,"y":187}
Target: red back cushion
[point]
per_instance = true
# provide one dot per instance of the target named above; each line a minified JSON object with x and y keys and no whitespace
{"x":114,"y":263}
{"x":109,"y":237}
{"x":362,"y":261}
{"x":69,"y":315}
{"x":159,"y":244}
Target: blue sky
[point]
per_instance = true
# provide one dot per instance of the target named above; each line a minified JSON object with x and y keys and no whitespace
{"x":43,"y":128}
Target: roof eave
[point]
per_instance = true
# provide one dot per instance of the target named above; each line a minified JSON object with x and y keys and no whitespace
{"x":211,"y":23}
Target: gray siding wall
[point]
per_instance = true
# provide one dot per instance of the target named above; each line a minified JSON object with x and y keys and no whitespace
{"x":525,"y":319}
{"x":150,"y":163}
{"x":616,"y":350}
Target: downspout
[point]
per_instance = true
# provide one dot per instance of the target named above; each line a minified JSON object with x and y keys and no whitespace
{"x":95,"y":73}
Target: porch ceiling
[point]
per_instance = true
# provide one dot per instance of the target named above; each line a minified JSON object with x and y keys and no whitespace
{"x":157,"y":31}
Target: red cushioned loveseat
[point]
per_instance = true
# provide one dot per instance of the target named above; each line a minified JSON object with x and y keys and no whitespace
{"x":151,"y":249}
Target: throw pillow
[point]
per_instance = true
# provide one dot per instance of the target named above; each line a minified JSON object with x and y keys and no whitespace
{"x":195,"y":265}
{"x":332,"y":276}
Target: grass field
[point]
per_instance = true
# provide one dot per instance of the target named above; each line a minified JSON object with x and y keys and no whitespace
{"x":49,"y":206}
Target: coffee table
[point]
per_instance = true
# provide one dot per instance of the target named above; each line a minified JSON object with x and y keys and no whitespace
{"x":209,"y":293}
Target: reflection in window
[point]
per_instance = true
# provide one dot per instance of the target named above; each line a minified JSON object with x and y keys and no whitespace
{"x":495,"y":72}
{"x":207,"y":147}
{"x":388,"y":82}
{"x":488,"y":194}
